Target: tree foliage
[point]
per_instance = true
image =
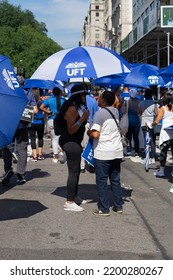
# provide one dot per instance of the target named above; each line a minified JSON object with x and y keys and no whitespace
{"x":23,"y":39}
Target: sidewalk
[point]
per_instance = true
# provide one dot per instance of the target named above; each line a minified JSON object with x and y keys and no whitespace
{"x":34,"y":224}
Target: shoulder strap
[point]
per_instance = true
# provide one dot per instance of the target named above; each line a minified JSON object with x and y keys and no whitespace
{"x":114,"y":119}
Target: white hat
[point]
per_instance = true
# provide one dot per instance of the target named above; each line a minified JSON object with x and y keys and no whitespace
{"x":133,"y":92}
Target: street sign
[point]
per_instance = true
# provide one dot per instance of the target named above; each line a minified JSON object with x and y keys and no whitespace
{"x":167,"y":16}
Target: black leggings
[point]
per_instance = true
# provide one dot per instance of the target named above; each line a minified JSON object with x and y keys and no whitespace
{"x":36,"y":130}
{"x":73,"y":152}
{"x":133,"y":131}
{"x":163,"y":151}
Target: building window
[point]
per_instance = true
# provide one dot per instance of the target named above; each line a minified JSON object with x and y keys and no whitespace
{"x":147,"y":12}
{"x":134,"y":8}
{"x":97,"y":36}
{"x":152,"y":6}
{"x":97,"y":7}
{"x":134,"y":25}
{"x":97,"y":14}
{"x":139,"y":4}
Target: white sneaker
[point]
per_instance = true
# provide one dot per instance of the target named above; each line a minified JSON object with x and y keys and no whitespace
{"x":171,"y":189}
{"x":159,"y":173}
{"x":54,"y":160}
{"x":79,"y":200}
{"x":72,"y":207}
{"x":152,"y":161}
{"x":62,"y":157}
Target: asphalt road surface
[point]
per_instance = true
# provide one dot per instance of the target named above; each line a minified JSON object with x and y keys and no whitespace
{"x":33,"y":224}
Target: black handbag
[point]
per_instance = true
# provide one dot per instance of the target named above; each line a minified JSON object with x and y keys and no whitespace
{"x":124,"y":139}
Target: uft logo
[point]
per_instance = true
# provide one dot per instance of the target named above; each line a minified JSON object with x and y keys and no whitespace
{"x":10,"y":79}
{"x":154,"y":80}
{"x":75,"y":69}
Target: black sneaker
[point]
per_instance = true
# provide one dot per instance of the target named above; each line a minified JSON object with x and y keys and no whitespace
{"x":117,"y":210}
{"x":98,"y":212}
{"x":21,"y":179}
{"x":6,"y":178}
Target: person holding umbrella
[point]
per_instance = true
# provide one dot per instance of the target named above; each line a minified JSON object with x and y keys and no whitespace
{"x":166,"y":134}
{"x":21,"y":138}
{"x":75,"y":114}
{"x":148,"y":110}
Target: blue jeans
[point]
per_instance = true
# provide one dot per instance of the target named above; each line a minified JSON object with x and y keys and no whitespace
{"x":105,"y":169}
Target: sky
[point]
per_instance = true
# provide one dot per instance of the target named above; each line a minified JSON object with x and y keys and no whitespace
{"x":64,"y":19}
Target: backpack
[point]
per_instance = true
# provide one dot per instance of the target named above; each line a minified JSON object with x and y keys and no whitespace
{"x":59,"y":124}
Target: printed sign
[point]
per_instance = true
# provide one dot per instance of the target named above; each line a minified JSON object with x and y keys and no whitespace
{"x":28,"y":114}
{"x":88,"y":153}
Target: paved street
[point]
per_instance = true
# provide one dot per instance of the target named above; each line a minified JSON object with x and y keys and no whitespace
{"x":33,"y":224}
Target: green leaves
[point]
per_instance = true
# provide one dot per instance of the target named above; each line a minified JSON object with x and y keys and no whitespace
{"x":23,"y":39}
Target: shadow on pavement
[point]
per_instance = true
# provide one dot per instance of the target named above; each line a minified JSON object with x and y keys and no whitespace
{"x":30,"y":175}
{"x":85,"y":191}
{"x":15,"y":209}
{"x":36,"y":173}
{"x":89,"y":192}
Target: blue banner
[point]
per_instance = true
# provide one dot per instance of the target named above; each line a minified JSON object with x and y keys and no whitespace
{"x":88,"y":153}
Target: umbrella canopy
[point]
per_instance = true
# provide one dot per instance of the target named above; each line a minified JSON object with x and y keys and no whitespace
{"x":81,"y":62}
{"x":12,"y":99}
{"x":144,"y":75}
{"x":168,"y":71}
{"x":110,"y":80}
{"x":169,"y":84}
{"x":44,"y":84}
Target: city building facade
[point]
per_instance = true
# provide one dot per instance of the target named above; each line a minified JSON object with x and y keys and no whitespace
{"x":93,"y":33}
{"x":148,"y":42}
{"x":121,"y":22}
{"x":132,"y":28}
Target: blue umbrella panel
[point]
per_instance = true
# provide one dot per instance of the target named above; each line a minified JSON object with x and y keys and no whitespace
{"x":12,"y":99}
{"x":44,"y":84}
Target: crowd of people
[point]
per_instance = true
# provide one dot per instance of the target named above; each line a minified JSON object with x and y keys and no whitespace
{"x":86,"y":117}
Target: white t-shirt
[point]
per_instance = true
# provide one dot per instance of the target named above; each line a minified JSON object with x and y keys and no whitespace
{"x":167,"y":121}
{"x":148,"y":108}
{"x":109,"y":145}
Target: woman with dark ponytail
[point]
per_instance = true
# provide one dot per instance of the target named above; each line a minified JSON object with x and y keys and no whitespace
{"x":166,"y":134}
{"x":51,"y":106}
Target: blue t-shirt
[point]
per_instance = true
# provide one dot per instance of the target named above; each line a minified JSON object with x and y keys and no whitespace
{"x":52,"y":105}
{"x":39,"y":117}
{"x":92,"y":107}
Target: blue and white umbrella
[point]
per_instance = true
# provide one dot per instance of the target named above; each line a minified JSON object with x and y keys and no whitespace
{"x":145,"y":76}
{"x":147,"y":149}
{"x":12,"y":99}
{"x":168,"y":71}
{"x":44,"y":84}
{"x":110,"y":80}
{"x":81,"y":62}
